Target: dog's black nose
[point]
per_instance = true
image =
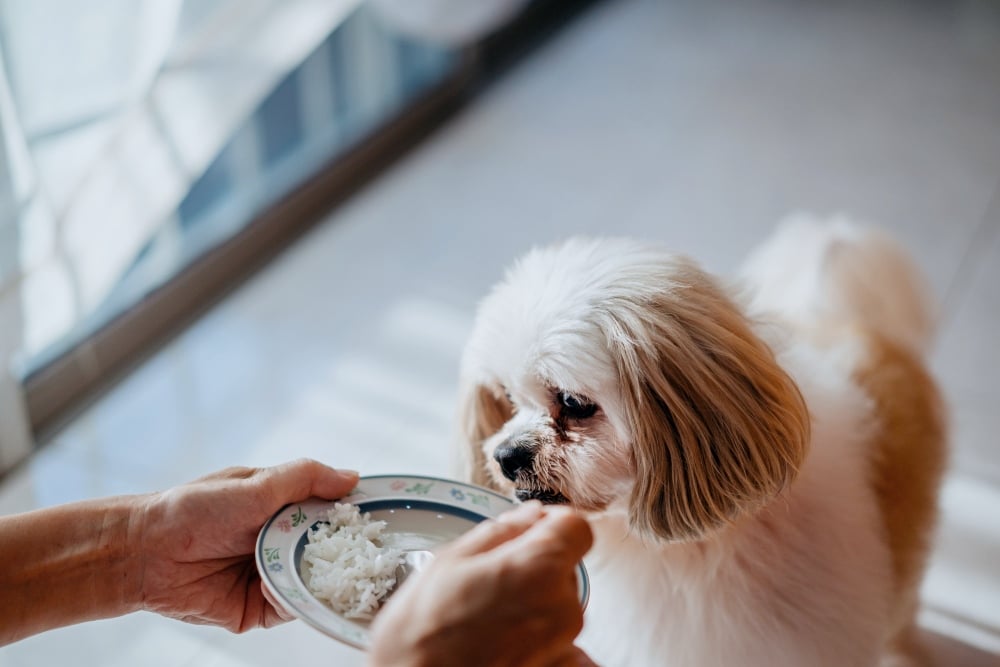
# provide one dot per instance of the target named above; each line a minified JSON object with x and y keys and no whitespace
{"x":513,"y":458}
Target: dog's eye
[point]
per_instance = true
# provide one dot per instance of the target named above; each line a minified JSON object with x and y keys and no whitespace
{"x":575,"y":407}
{"x":510,"y":401}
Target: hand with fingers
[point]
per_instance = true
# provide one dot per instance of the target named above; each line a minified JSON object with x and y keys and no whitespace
{"x":197,"y":541}
{"x":185,"y":553}
{"x":503,"y":594}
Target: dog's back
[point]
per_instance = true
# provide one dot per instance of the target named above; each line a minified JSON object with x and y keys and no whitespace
{"x":835,"y":277}
{"x":835,"y":281}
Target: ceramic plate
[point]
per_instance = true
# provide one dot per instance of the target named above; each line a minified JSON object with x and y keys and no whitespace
{"x":420,"y":512}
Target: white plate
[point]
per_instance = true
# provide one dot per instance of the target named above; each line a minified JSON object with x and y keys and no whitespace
{"x":421,"y":513}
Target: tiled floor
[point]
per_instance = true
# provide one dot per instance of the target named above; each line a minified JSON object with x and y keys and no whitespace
{"x":699,"y":124}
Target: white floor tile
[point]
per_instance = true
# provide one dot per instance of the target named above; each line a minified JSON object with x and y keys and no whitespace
{"x":968,"y":363}
{"x":290,"y":644}
{"x":137,"y":639}
{"x":962,"y":582}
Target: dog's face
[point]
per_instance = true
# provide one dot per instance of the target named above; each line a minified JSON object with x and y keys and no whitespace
{"x":615,"y":376}
{"x":558,"y":442}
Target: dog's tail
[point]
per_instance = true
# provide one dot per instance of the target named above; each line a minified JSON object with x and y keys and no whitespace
{"x":832,"y":273}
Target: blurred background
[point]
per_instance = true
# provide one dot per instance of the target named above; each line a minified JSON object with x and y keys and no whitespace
{"x":242,"y":231}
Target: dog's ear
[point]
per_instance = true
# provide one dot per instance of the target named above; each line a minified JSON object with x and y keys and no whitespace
{"x":481,"y":414}
{"x":719,"y":428}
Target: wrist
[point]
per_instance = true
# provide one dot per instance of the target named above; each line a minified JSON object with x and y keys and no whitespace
{"x":115,"y":558}
{"x":81,"y":566}
{"x":134,"y":541}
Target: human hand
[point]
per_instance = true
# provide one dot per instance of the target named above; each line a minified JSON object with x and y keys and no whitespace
{"x":195,"y":543}
{"x":503,"y":594}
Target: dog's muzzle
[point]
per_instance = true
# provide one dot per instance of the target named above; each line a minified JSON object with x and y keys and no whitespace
{"x":513,"y":458}
{"x":546,"y":496}
{"x":516,"y":459}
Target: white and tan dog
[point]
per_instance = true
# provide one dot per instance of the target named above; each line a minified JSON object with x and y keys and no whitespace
{"x":760,"y":463}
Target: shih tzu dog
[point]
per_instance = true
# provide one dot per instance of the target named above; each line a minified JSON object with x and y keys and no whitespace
{"x":760,"y":460}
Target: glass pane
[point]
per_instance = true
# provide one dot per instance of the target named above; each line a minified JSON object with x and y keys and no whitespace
{"x":143,"y":153}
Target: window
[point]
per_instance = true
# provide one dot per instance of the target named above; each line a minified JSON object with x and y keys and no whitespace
{"x":159,"y":133}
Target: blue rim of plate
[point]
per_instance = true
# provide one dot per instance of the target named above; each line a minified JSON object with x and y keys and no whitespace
{"x":281,"y":539}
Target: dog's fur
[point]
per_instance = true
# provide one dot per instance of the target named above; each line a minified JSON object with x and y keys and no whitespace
{"x":761,"y":469}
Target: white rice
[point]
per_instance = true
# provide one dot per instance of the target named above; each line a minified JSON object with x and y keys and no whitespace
{"x":350,"y":568}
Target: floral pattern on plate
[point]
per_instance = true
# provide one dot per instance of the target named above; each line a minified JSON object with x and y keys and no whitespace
{"x":278,"y":551}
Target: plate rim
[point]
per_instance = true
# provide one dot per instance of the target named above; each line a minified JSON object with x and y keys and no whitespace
{"x":291,"y":607}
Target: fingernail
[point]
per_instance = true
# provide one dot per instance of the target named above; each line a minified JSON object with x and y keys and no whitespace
{"x":349,"y":473}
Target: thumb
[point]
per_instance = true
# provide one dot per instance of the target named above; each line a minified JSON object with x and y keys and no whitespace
{"x":304,"y":478}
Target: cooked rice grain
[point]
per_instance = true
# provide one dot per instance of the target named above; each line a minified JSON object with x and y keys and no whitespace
{"x":349,"y":566}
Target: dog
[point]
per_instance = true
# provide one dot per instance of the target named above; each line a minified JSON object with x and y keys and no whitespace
{"x":759,"y":459}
